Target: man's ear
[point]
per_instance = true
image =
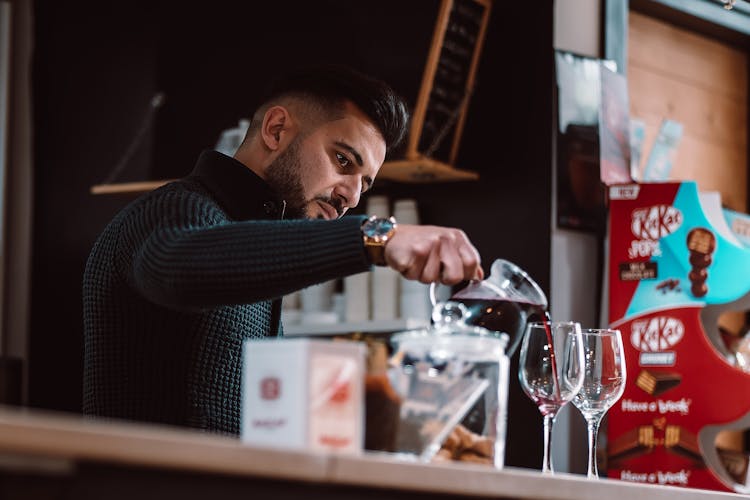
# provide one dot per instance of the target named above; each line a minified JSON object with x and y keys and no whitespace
{"x":276,"y":122}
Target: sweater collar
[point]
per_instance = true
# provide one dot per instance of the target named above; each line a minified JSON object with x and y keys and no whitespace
{"x":239,"y":190}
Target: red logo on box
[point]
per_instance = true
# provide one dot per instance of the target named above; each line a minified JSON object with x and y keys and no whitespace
{"x":270,"y":388}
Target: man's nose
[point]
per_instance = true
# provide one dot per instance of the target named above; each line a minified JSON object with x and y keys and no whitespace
{"x":350,"y":191}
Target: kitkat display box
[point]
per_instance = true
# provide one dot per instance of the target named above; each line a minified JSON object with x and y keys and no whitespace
{"x":674,"y":268}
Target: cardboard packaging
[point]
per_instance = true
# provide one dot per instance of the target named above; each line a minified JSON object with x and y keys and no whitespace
{"x":303,"y":394}
{"x":674,"y":268}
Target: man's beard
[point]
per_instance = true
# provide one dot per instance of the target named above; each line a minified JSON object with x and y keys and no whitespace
{"x":283,"y":175}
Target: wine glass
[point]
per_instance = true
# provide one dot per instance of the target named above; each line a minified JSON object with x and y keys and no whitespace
{"x":603,"y":382}
{"x":551,"y":371}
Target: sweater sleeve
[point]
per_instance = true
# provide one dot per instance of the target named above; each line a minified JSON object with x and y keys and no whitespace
{"x":189,"y":258}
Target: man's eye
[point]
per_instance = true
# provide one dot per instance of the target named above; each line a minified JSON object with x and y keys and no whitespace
{"x":343,"y":160}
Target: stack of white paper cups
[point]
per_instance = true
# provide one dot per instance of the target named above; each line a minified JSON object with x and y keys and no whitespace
{"x":384,"y":290}
{"x":414,"y":297}
{"x":317,"y":304}
{"x":357,"y":297}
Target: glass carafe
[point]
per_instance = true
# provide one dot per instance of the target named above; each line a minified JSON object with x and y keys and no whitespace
{"x":504,"y":302}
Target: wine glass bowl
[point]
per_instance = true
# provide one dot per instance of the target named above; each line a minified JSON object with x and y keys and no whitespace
{"x":551,"y":371}
{"x":603,"y":383}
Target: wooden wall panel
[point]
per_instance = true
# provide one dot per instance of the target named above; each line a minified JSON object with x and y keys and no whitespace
{"x":662,"y":47}
{"x":702,"y":83}
{"x":714,"y":166}
{"x":710,"y":115}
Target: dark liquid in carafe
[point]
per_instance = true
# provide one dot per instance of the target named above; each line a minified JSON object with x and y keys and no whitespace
{"x":504,"y":315}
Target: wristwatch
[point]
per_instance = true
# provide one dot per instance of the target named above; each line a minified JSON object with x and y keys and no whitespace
{"x":376,"y":231}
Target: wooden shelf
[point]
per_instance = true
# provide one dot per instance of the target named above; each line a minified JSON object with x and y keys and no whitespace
{"x":424,"y":170}
{"x":127,"y":187}
{"x":396,"y":325}
{"x":421,"y":170}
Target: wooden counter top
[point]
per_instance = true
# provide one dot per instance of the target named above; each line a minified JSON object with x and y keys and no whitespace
{"x":31,"y":440}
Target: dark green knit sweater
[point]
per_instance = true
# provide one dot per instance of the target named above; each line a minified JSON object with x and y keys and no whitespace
{"x":181,"y":277}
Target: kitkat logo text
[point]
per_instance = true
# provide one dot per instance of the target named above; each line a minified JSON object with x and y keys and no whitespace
{"x":648,"y":225}
{"x":652,"y":223}
{"x":656,"y":334}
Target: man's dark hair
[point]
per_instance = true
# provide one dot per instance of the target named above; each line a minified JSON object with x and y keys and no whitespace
{"x":332,"y":85}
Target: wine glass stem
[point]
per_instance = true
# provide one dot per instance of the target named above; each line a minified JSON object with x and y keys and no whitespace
{"x":547,"y":461}
{"x":593,"y":430}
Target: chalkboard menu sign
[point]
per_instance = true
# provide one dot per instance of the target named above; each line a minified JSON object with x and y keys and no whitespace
{"x":447,"y":83}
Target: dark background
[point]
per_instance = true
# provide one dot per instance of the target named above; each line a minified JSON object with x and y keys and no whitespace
{"x":98,"y":64}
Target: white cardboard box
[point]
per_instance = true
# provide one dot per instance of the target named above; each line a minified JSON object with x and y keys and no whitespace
{"x":303,"y":393}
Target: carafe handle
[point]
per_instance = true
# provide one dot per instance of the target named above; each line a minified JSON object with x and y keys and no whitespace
{"x":433,"y":298}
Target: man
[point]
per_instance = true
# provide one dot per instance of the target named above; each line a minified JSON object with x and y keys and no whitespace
{"x":183,"y":275}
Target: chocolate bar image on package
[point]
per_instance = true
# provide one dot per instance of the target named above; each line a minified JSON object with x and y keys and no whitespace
{"x":681,"y":442}
{"x":657,"y":382}
{"x":635,"y":442}
{"x":701,"y":241}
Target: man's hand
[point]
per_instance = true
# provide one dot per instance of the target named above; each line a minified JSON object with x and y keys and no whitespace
{"x":433,"y":254}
